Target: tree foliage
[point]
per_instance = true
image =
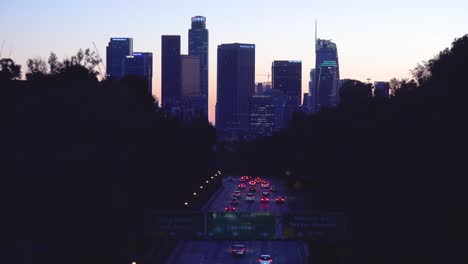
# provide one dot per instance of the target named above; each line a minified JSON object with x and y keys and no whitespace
{"x":396,"y":167}
{"x":9,"y":70}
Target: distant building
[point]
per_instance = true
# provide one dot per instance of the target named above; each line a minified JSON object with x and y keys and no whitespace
{"x":287,"y":78}
{"x":279,"y":102}
{"x":327,"y":75}
{"x":190,"y":75}
{"x":235,"y":85}
{"x":140,"y":64}
{"x":382,"y":89}
{"x":116,"y":52}
{"x":198,"y":46}
{"x":262,"y":87}
{"x":262,"y":115}
{"x":192,"y":102}
{"x":305,"y":102}
{"x":312,"y":92}
{"x":170,"y":71}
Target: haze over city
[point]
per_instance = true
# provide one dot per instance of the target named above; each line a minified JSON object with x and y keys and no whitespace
{"x":376,"y":40}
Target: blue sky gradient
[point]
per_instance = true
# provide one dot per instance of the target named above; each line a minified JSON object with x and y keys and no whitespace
{"x":375,"y":39}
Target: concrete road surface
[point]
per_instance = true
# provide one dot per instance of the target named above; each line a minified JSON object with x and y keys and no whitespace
{"x":225,"y":196}
{"x":219,"y":252}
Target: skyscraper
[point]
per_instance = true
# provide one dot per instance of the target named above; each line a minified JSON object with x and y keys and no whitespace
{"x":311,"y":97}
{"x":117,"y":50}
{"x":327,"y":74}
{"x":236,"y":85}
{"x":198,"y":45}
{"x":190,"y":75}
{"x":287,"y":77}
{"x":262,"y":115}
{"x":170,"y":70}
{"x":191,"y":103}
{"x":140,"y":64}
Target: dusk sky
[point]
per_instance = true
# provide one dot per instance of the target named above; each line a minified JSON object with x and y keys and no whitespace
{"x":376,"y":39}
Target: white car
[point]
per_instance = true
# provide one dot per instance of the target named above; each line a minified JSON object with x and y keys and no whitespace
{"x":265,"y":259}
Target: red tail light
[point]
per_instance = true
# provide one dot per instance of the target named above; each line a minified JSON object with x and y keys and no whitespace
{"x":233,"y":208}
{"x":242,"y":249}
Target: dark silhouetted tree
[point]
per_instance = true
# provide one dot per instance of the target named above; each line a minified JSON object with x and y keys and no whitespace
{"x":9,"y":70}
{"x":37,"y":69}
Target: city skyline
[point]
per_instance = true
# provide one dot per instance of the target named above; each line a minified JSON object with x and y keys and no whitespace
{"x":376,"y":40}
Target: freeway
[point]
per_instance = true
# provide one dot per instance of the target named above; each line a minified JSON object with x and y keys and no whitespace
{"x":207,"y":252}
{"x":219,"y":251}
{"x":224,"y":197}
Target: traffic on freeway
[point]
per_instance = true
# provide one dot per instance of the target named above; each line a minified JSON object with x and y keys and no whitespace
{"x":221,"y":252}
{"x":251,"y":195}
{"x":244,"y":194}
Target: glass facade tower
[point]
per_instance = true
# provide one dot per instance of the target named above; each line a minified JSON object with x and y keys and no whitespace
{"x":198,"y":46}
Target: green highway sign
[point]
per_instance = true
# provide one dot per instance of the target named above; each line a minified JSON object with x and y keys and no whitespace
{"x":315,"y":226}
{"x":177,"y":224}
{"x":241,"y":226}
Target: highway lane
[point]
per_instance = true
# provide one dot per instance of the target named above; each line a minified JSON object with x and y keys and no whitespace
{"x":244,"y":206}
{"x":207,"y":252}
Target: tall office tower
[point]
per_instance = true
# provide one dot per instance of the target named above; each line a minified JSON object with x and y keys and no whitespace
{"x":140,"y":64}
{"x":198,"y":45}
{"x":327,"y":74}
{"x":170,"y":71}
{"x":191,"y":105}
{"x":190,"y":75}
{"x":117,"y":50}
{"x":311,"y":97}
{"x":287,"y":77}
{"x":236,"y":85}
{"x":262,"y":115}
{"x":279,"y":101}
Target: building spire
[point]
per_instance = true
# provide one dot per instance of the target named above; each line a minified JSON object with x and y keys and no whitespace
{"x":316,"y":33}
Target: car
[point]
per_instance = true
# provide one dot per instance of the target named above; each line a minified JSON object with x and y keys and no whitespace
{"x":236,"y":194}
{"x":234,"y":201}
{"x":280,"y":199}
{"x":273,"y":188}
{"x":265,"y":184}
{"x":241,"y":186}
{"x":242,"y":180}
{"x":265,"y":259}
{"x":250,"y":197}
{"x":266,"y":193}
{"x":245,"y":178}
{"x":264,"y":200}
{"x":252,"y":183}
{"x":238,"y":250}
{"x":258,"y":179}
{"x":230,"y":208}
{"x":252,"y":189}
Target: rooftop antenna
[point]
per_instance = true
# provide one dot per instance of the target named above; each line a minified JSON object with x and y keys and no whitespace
{"x":315,"y":33}
{"x":1,"y":49}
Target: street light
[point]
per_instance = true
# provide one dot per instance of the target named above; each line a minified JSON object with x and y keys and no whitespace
{"x":186,"y":203}
{"x":212,"y":177}
{"x":207,"y":181}
{"x":194,"y":194}
{"x":201,"y":187}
